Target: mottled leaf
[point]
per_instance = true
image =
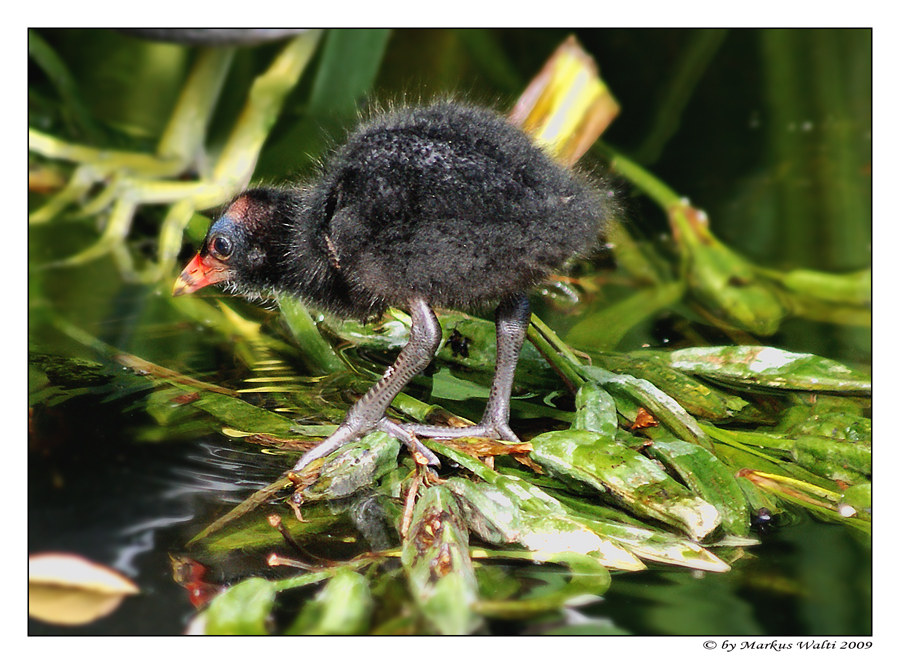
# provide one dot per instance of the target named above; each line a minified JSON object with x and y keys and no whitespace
{"x":631,"y":479}
{"x":709,"y":478}
{"x":631,"y":392}
{"x":595,"y":411}
{"x":437,"y":563}
{"x":354,"y":467}
{"x":770,"y":367}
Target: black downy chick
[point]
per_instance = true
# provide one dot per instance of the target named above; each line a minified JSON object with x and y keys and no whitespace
{"x":445,"y":205}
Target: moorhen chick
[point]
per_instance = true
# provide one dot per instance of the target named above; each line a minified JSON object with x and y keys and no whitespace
{"x":444,"y":205}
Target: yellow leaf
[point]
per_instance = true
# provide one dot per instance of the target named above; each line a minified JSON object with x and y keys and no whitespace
{"x":567,"y":105}
{"x":65,"y":589}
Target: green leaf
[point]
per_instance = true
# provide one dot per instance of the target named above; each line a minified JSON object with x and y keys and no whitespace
{"x":437,"y":563}
{"x":709,"y":478}
{"x":853,"y":288}
{"x":354,"y":467}
{"x":343,"y":606}
{"x":497,"y":518}
{"x":637,"y":483}
{"x":595,"y":411}
{"x":837,"y":460}
{"x":242,"y":609}
{"x":763,"y":366}
{"x":859,"y":497}
{"x":238,"y":414}
{"x":588,"y":581}
{"x":470,"y":348}
{"x":631,"y":392}
{"x":696,"y":397}
{"x":657,"y":546}
{"x":350,"y":61}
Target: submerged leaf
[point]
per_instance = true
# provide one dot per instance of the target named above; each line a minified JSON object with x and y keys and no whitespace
{"x":589,"y":580}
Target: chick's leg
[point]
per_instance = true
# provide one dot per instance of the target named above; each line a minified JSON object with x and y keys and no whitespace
{"x":512,"y":318}
{"x":367,"y":414}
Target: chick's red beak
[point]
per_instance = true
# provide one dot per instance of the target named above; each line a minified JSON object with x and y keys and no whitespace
{"x":200,"y":272}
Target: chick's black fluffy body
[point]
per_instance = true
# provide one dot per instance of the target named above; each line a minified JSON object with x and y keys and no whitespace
{"x":448,"y":203}
{"x":441,"y":206}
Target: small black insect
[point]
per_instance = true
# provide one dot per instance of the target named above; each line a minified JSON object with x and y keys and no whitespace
{"x":459,"y":344}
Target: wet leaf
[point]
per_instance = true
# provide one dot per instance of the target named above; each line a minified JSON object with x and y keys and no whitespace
{"x":494,"y":516}
{"x":65,"y":589}
{"x":243,"y":609}
{"x":595,"y":411}
{"x":696,"y":397}
{"x":354,"y":467}
{"x":709,"y":478}
{"x":634,"y":481}
{"x":770,"y":367}
{"x":632,"y":393}
{"x":658,"y":546}
{"x":489,"y":513}
{"x":343,"y":606}
{"x":859,"y":497}
{"x":437,"y":563}
{"x":829,"y":416}
{"x":525,"y":495}
{"x":236,"y":413}
{"x":254,"y":532}
{"x":822,"y":501}
{"x":550,"y":535}
{"x":837,"y":460}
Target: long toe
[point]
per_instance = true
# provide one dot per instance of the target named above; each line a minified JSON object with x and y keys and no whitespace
{"x":482,"y":430}
{"x":409,"y":439}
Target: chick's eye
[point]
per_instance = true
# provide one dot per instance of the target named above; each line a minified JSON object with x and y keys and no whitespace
{"x":221,"y":247}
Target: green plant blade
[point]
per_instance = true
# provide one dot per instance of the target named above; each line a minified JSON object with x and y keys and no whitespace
{"x":770,"y":367}
{"x":631,"y":479}
{"x":438,"y":566}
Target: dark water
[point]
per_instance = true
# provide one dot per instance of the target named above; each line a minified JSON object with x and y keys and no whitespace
{"x":105,"y":481}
